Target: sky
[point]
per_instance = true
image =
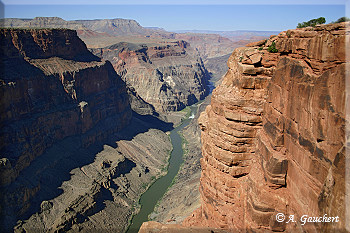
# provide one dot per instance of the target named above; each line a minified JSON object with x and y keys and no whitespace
{"x":219,"y":15}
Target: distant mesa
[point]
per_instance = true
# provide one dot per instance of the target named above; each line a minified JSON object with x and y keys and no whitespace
{"x":115,"y":27}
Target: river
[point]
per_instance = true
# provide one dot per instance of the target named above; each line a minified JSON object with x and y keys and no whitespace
{"x":150,"y":198}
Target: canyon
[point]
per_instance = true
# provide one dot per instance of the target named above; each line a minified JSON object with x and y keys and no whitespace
{"x":74,"y":154}
{"x":164,"y":71}
{"x":78,"y":146}
{"x":274,"y":138}
{"x":86,"y":114}
{"x":80,"y":143}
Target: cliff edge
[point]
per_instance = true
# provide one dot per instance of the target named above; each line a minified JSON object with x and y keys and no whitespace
{"x":274,"y":135}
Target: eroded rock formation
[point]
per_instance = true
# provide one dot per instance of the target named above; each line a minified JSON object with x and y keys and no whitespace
{"x":53,"y":87}
{"x":169,"y":76}
{"x":274,"y":135}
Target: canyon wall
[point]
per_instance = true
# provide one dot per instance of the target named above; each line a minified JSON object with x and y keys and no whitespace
{"x":52,"y":83}
{"x":74,"y":157}
{"x":274,"y":135}
{"x":53,"y":87}
{"x":167,"y":76}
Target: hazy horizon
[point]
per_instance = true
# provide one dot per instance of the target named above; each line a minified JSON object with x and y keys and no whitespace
{"x":188,"y":17}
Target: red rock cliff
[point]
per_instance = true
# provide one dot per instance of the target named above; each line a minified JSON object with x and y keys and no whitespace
{"x":274,"y":135}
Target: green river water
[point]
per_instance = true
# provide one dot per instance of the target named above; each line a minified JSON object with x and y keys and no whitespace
{"x":150,"y":198}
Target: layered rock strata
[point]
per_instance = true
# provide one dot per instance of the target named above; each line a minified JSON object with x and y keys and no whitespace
{"x":274,"y":135}
{"x":168,"y":77}
{"x":52,"y":88}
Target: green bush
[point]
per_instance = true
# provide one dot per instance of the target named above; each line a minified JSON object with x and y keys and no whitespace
{"x":272,"y":48}
{"x":261,"y":48}
{"x":312,"y":22}
{"x":342,"y":19}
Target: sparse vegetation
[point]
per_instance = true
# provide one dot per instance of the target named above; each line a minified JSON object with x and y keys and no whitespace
{"x":272,"y":48}
{"x":261,"y":48}
{"x":342,"y":19}
{"x":312,"y":22}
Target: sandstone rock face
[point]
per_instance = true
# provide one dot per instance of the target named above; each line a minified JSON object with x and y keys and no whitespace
{"x":42,"y":44}
{"x":53,"y":88}
{"x":169,"y":77}
{"x":274,"y":136}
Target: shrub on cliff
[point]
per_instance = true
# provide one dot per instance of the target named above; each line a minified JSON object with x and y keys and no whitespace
{"x":312,"y":22}
{"x":342,"y":19}
{"x":272,"y":48}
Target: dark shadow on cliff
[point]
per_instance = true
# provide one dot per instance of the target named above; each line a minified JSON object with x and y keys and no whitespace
{"x":46,"y":173}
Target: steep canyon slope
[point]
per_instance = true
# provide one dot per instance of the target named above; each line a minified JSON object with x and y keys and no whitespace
{"x":273,"y":137}
{"x":73,"y":154}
